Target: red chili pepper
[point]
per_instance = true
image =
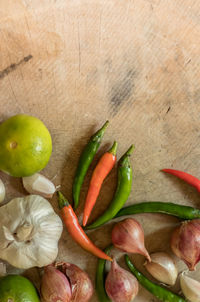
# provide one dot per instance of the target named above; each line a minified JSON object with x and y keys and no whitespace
{"x":104,"y":166}
{"x":192,"y":180}
{"x":71,"y":221}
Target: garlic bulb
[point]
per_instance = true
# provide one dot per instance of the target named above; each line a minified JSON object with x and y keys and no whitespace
{"x":29,"y":232}
{"x":39,"y":184}
{"x":162,"y":268}
{"x":190,"y":288}
{"x":2,"y":191}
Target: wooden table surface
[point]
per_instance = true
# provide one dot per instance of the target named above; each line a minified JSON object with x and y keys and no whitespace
{"x":74,"y":64}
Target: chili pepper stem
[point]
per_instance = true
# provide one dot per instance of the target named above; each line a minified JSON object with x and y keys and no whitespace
{"x":62,"y":201}
{"x":113,"y":149}
{"x":129,"y":151}
{"x":124,"y":160}
{"x":101,"y":131}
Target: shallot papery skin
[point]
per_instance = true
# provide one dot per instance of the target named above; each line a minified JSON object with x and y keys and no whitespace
{"x":82,"y":288}
{"x":120,"y":285}
{"x":185,"y":242}
{"x":128,"y":236}
{"x":55,"y":286}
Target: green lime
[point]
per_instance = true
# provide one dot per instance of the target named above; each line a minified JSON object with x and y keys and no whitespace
{"x":25,"y":145}
{"x":14,"y":288}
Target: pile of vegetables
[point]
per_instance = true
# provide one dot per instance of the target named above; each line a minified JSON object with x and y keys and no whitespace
{"x":30,"y":230}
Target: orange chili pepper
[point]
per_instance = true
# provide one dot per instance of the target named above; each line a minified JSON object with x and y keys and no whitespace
{"x":75,"y":230}
{"x":104,"y":166}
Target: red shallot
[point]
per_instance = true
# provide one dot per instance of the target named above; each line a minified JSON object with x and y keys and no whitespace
{"x":82,"y":288}
{"x":185,"y":242}
{"x":121,"y":285}
{"x":55,"y":286}
{"x":128,"y":236}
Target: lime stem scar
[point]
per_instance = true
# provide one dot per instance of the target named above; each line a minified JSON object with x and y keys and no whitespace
{"x":13,"y":145}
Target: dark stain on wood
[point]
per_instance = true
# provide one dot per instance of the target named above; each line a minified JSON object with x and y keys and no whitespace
{"x":14,"y":66}
{"x":121,"y":91}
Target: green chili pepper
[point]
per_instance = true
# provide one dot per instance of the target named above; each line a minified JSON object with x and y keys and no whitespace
{"x":85,"y":160}
{"x":182,"y":212}
{"x":159,"y":292}
{"x":122,"y":192}
{"x":100,"y":278}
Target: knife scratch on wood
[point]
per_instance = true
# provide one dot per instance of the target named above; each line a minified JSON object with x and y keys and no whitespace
{"x":14,"y":66}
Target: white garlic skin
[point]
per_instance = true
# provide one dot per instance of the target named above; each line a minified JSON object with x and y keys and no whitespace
{"x":2,"y":269}
{"x":162,"y":268}
{"x":29,"y":232}
{"x":190,"y":288}
{"x":2,"y":191}
{"x":39,"y":184}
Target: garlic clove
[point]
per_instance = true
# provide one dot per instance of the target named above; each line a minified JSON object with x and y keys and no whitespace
{"x":190,"y":288}
{"x":39,"y":184}
{"x":2,"y":191}
{"x":162,"y":268}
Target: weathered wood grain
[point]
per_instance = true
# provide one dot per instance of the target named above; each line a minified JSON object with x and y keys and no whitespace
{"x":75,"y":64}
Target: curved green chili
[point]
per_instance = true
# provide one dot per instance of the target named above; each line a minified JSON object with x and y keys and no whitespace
{"x":180,"y":211}
{"x":85,"y":160}
{"x":159,"y":292}
{"x":100,"y":278}
{"x":122,"y":192}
